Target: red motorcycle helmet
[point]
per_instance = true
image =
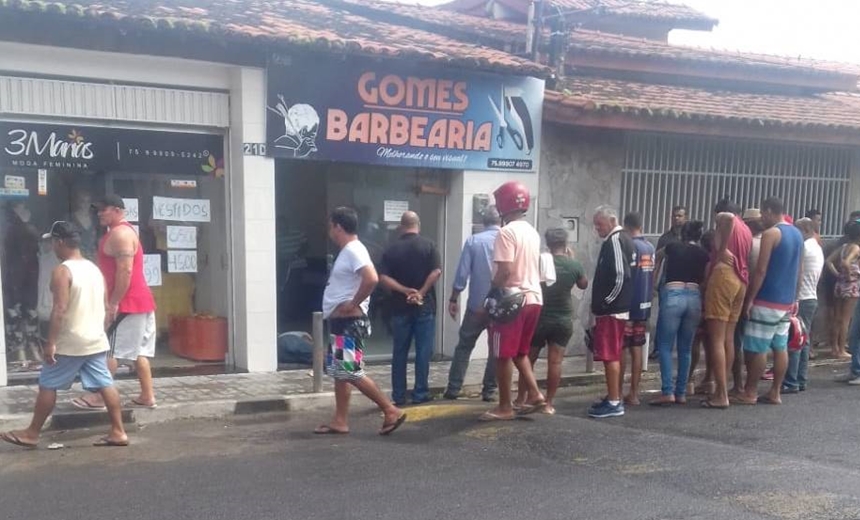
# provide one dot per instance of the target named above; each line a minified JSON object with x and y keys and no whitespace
{"x":512,"y":196}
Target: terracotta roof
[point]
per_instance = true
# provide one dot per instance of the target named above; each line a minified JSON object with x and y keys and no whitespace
{"x":314,"y":24}
{"x":511,"y":36}
{"x":835,"y":111}
{"x":681,"y":15}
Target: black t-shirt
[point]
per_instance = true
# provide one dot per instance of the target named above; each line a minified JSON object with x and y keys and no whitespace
{"x":410,"y":259}
{"x":685,"y":262}
{"x":669,"y":237}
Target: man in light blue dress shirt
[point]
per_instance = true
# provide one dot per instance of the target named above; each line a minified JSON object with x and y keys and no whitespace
{"x":476,"y":269}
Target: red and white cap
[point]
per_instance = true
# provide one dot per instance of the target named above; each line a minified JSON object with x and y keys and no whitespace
{"x":512,"y":196}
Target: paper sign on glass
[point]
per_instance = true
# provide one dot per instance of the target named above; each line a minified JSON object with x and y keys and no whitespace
{"x":132,"y":210}
{"x":182,"y":210}
{"x":394,"y":209}
{"x":182,"y":261}
{"x":181,"y":237}
{"x":152,"y":270}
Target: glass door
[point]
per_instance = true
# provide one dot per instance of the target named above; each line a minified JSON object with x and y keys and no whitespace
{"x":305,"y":253}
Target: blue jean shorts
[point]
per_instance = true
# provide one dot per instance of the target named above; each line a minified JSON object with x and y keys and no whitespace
{"x":93,"y":370}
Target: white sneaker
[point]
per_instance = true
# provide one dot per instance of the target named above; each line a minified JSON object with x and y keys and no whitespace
{"x":854,"y":381}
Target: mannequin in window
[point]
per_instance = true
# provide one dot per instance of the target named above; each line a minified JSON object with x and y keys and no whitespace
{"x":21,"y":281}
{"x":82,"y":215}
{"x":20,"y":258}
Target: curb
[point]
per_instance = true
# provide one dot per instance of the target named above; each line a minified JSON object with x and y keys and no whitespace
{"x":271,"y":404}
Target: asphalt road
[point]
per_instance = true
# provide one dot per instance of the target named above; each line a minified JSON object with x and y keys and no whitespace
{"x":796,"y":461}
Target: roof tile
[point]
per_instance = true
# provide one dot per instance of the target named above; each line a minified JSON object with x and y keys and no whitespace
{"x":828,"y":110}
{"x":308,"y":23}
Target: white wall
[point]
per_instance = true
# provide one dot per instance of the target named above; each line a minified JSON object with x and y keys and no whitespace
{"x":464,"y":186}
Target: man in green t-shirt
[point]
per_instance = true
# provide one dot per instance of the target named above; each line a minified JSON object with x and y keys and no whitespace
{"x":555,"y":327}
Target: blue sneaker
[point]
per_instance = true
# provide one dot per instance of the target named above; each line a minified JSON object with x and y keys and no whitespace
{"x":604,"y":409}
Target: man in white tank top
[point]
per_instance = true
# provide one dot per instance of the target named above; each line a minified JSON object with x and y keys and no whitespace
{"x":77,"y":343}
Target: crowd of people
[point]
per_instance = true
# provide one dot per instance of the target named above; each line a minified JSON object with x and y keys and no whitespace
{"x":742,"y":291}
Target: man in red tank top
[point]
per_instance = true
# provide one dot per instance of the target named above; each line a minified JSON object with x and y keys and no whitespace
{"x":130,"y":306}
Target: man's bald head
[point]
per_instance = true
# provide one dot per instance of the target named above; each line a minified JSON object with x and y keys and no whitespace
{"x":410,"y":221}
{"x":806,"y":226}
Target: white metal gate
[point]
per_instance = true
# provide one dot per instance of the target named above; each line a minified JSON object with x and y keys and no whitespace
{"x":663,"y":171}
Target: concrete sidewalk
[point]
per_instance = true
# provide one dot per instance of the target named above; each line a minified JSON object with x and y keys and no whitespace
{"x":212,"y":396}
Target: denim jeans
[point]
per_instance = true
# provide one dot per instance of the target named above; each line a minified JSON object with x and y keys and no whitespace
{"x":470,"y":330}
{"x":854,"y":342}
{"x":422,"y":328}
{"x":798,"y":360}
{"x":680,"y":314}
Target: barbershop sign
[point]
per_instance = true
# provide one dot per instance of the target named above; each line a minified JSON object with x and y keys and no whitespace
{"x":399,"y":115}
{"x":88,"y":148}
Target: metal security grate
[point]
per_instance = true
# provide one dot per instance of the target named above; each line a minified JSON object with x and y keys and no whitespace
{"x":662,"y":171}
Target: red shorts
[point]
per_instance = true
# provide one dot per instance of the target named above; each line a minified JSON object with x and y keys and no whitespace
{"x":510,"y":340}
{"x":608,"y":338}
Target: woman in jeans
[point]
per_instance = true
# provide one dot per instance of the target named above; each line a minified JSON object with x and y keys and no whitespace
{"x":680,"y":310}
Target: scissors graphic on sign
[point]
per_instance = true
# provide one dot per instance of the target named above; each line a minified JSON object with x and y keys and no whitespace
{"x":516,"y":137}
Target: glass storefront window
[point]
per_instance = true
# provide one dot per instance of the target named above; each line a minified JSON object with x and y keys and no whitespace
{"x":304,"y":252}
{"x":178,"y":205}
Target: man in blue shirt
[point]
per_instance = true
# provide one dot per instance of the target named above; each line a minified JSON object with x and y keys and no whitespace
{"x":476,"y":269}
{"x":642,"y":281}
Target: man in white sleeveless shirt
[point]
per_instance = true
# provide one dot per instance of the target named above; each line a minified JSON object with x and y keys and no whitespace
{"x":77,"y":343}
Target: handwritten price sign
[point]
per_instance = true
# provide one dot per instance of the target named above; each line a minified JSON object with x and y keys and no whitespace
{"x":183,"y":210}
{"x":152,"y":270}
{"x":182,"y":261}
{"x":181,"y":237}
{"x":132,"y":210}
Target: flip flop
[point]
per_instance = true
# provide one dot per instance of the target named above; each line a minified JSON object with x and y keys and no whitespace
{"x":490,"y":417}
{"x":741,"y":402}
{"x":710,"y":405}
{"x":388,"y":429}
{"x":763,"y":399}
{"x":325,"y":429}
{"x":11,"y":438}
{"x":137,"y":404}
{"x":528,"y":409}
{"x":106,"y":442}
{"x":82,"y":404}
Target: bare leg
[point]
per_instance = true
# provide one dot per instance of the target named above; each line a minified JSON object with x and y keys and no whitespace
{"x":695,"y":354}
{"x":45,"y":401}
{"x":524,"y":367}
{"x":110,"y":396}
{"x":635,"y":376}
{"x":144,"y":374}
{"x":522,"y":390}
{"x":717,"y":348}
{"x":756,"y":365}
{"x":553,"y":373}
{"x":622,"y":364}
{"x":848,"y":306}
{"x":839,"y":328}
{"x":504,"y":373}
{"x":780,"y":365}
{"x":368,"y":387}
{"x":613,"y":378}
{"x":94,"y":399}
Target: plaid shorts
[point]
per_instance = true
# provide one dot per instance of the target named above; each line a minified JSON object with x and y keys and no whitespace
{"x":635,"y":333}
{"x":345,"y":357}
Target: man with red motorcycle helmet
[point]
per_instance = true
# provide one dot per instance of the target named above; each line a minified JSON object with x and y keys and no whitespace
{"x":515,"y":300}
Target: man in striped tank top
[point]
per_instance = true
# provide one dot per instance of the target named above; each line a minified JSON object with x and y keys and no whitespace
{"x":770,"y":302}
{"x":77,"y":344}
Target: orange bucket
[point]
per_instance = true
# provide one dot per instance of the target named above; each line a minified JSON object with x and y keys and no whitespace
{"x":199,"y":338}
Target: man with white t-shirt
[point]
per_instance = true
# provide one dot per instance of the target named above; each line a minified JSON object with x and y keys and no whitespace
{"x":345,"y":303}
{"x":807,"y":305}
